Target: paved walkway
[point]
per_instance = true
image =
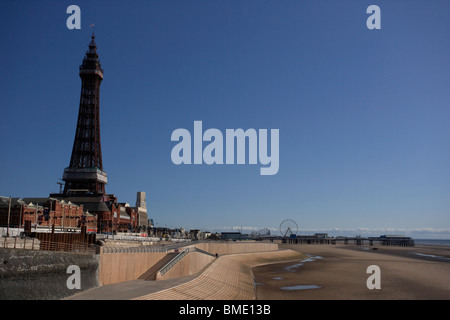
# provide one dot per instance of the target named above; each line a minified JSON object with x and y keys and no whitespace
{"x":129,"y":289}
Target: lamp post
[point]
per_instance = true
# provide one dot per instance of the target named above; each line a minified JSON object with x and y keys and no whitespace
{"x":22,"y":203}
{"x":63,"y":216}
{"x":50,"y":214}
{"x":9,"y":215}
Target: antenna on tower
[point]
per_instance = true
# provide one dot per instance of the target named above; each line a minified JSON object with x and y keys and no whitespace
{"x":93,"y":28}
{"x":60,"y":186}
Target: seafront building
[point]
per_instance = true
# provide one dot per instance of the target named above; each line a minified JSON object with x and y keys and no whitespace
{"x":44,"y":213}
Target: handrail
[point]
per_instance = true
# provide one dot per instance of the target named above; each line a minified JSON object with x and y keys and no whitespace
{"x":180,"y":256}
{"x":173,"y":261}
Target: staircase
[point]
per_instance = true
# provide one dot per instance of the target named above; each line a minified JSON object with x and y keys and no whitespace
{"x":150,"y":274}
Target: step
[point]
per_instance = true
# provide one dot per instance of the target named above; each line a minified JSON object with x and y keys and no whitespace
{"x":150,"y":274}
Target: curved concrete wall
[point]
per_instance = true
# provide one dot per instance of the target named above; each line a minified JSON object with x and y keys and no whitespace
{"x":124,"y":266}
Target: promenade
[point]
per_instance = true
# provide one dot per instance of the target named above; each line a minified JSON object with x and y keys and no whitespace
{"x":229,"y":277}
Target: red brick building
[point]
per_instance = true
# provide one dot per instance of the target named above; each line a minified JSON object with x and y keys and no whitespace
{"x":44,"y":213}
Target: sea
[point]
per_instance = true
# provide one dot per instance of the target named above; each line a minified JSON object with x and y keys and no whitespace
{"x":434,"y":242}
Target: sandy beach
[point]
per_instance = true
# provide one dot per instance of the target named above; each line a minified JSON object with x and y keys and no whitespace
{"x":309,"y":272}
{"x":339,"y":272}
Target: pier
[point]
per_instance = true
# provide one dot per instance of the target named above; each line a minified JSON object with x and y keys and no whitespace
{"x":384,"y":240}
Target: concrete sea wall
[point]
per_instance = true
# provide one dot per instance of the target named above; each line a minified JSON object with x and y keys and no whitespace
{"x":42,"y":275}
{"x":124,"y":264}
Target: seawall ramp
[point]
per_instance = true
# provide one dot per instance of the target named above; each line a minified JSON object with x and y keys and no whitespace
{"x":229,"y":277}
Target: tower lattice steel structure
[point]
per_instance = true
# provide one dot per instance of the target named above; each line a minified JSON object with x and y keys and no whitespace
{"x":85,"y":171}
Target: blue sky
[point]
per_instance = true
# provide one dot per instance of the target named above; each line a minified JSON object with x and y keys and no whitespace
{"x":363,"y":114}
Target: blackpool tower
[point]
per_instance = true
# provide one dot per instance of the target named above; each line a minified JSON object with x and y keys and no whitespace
{"x":85,"y":172}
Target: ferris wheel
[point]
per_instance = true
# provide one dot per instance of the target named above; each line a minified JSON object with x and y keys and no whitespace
{"x":288,"y":227}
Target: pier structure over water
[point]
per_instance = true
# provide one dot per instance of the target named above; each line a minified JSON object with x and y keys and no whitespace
{"x":383,"y":240}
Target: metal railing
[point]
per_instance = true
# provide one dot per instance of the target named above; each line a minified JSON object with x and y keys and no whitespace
{"x":36,"y":244}
{"x":174,"y":261}
{"x":79,"y":247}
{"x":135,"y":237}
{"x":143,"y":248}
{"x":180,"y":256}
{"x":126,"y":249}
